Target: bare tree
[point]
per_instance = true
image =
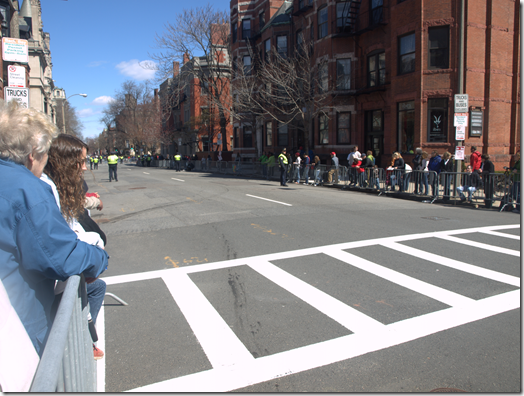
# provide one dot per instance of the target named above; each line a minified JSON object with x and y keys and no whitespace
{"x":200,"y":39}
{"x":73,"y":125}
{"x":290,"y":89}
{"x":134,"y":115}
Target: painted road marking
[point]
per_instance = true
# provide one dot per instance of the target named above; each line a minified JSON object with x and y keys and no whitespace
{"x":270,"y":200}
{"x":177,"y":179}
{"x":501,"y":234}
{"x":472,"y":269}
{"x":234,"y":367}
{"x":479,"y":245}
{"x":328,"y":352}
{"x":344,"y":314}
{"x":424,"y":288}
{"x":220,"y":344}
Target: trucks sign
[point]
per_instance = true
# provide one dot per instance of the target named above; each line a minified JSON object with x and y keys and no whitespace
{"x":21,"y":95}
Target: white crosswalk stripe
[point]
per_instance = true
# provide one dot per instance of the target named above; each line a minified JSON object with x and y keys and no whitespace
{"x":235,"y":367}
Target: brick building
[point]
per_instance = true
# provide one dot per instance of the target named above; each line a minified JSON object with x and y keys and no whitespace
{"x":196,"y":101}
{"x":393,"y":70}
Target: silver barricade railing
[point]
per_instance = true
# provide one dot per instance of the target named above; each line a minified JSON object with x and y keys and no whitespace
{"x":512,"y":192}
{"x":67,"y":363}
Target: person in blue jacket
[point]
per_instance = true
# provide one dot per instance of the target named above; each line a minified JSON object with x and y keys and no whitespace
{"x":37,"y":247}
{"x":434,"y":166}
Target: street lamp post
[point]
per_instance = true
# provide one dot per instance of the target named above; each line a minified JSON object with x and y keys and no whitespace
{"x":63,"y":108}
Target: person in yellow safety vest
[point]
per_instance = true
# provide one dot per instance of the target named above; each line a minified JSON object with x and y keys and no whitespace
{"x":283,"y":162}
{"x":95,"y":161}
{"x":112,"y":161}
{"x":91,"y":160}
{"x":178,"y":158}
{"x":121,"y":159}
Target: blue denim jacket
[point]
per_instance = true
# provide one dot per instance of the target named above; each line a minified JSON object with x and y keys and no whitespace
{"x":37,"y":247}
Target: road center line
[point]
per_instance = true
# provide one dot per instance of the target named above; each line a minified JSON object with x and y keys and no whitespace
{"x":146,"y":173}
{"x":270,"y":200}
{"x":177,"y":179}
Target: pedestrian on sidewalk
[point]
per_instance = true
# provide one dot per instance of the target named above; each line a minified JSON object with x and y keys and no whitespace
{"x":334,"y":169}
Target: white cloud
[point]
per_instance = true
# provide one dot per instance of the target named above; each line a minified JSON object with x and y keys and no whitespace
{"x":136,"y":69}
{"x":85,"y":113}
{"x":102,"y":100}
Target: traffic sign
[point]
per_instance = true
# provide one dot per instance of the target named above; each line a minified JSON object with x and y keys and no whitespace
{"x":461,"y":119}
{"x":21,"y":95}
{"x":16,"y":76}
{"x":15,"y":50}
{"x":461,"y":103}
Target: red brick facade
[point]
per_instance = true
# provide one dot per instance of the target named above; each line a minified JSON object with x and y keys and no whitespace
{"x":412,"y":104}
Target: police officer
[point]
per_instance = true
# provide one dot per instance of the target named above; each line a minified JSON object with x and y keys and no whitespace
{"x":91,"y":160}
{"x":178,"y":158}
{"x":95,"y":161}
{"x":283,"y":162}
{"x":148,"y":159}
{"x":112,"y":161}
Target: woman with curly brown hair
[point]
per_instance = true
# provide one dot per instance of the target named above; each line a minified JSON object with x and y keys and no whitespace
{"x":65,"y":167}
{"x":64,"y":173}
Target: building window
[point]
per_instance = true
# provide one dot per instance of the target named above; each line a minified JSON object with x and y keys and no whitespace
{"x":374,"y":120}
{"x":236,"y":137}
{"x":246,"y":29}
{"x":343,"y":15}
{"x":261,"y":19}
{"x":5,"y":21}
{"x":343,"y":74}
{"x":322,"y":22}
{"x":247,"y":139}
{"x":323,"y":132}
{"x":406,"y":126}
{"x":437,"y":120}
{"x":282,"y":46}
{"x":406,"y":54}
{"x":343,"y":125}
{"x":247,"y":65}
{"x":438,"y":47}
{"x":323,"y":76}
{"x":269,"y":134}
{"x":205,"y":143}
{"x":235,"y":31}
{"x":303,"y":3}
{"x":300,"y":41}
{"x":377,"y":69}
{"x":282,"y":135}
{"x":375,"y":14}
{"x":267,"y":47}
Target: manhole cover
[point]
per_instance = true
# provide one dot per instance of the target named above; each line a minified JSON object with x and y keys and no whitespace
{"x":448,"y":390}
{"x":435,"y":218}
{"x":137,"y":188}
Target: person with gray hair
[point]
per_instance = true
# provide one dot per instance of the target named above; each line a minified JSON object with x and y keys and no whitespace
{"x":37,"y":247}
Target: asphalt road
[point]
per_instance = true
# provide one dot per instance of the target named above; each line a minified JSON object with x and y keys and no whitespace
{"x":238,"y":284}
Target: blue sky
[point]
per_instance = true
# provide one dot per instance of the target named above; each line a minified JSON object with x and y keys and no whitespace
{"x":97,"y":45}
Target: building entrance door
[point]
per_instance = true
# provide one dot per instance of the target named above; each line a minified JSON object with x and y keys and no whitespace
{"x":375,"y":143}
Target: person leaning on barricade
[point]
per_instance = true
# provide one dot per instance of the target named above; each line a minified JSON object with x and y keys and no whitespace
{"x":488,"y":170}
{"x":470,"y":183}
{"x":38,"y":247}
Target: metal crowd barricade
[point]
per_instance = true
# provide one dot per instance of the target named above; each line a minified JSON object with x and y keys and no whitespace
{"x":67,"y":363}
